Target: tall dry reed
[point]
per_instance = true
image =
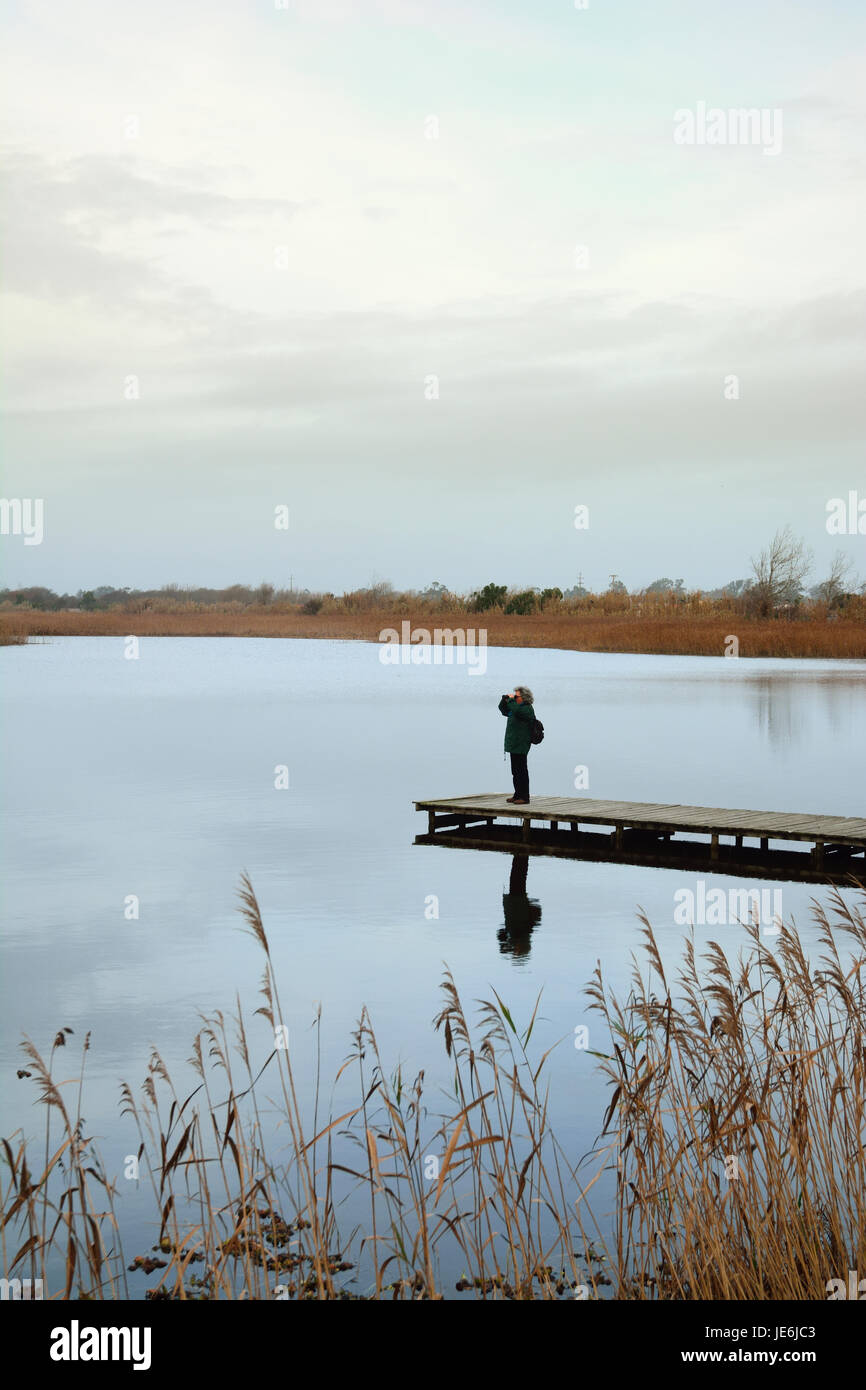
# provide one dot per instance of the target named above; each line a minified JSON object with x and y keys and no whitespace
{"x":739,"y":1115}
{"x":581,"y":626}
{"x":234,"y":1222}
{"x":735,"y":1133}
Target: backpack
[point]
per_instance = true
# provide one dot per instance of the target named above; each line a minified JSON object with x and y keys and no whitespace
{"x":537,"y":732}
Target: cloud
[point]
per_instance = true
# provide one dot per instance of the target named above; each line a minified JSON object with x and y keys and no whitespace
{"x":56,"y":214}
{"x":282,"y":259}
{"x":104,"y":187}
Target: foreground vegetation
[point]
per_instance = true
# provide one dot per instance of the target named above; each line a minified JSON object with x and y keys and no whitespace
{"x":734,"y":1138}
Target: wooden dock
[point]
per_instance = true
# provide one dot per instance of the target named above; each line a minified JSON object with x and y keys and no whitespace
{"x":662,"y":836}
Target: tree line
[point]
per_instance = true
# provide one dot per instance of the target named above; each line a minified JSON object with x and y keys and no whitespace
{"x":775,"y":586}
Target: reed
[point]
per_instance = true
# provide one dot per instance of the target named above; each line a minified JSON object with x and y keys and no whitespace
{"x":233,"y":1223}
{"x":594,"y":626}
{"x":14,"y":630}
{"x":739,"y":1116}
{"x":761,"y":1061}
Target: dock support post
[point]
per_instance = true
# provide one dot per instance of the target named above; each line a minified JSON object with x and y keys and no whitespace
{"x":714,"y":846}
{"x":431,"y":822}
{"x":818,"y":852}
{"x":525,"y":828}
{"x":618,"y":838}
{"x":765,"y":841}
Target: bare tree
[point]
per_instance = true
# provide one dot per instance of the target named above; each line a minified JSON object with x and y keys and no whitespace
{"x":779,"y":572}
{"x":839,"y":581}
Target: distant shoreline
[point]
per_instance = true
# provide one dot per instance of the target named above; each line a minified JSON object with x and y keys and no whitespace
{"x":675,"y":635}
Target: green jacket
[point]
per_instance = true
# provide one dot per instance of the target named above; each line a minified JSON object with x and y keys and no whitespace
{"x":519,"y":727}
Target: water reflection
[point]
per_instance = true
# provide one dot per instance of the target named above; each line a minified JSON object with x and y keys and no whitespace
{"x":783,"y":700}
{"x":522,"y":913}
{"x":779,"y":710}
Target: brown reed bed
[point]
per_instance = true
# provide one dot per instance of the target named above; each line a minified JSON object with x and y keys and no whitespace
{"x":14,"y":631}
{"x":761,"y":1061}
{"x":691,"y":632}
{"x":739,"y":1115}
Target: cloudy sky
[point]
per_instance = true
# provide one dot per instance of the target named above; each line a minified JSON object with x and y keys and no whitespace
{"x":431,"y":273}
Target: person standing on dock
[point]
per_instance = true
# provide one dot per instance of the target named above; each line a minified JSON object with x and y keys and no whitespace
{"x":518,"y":739}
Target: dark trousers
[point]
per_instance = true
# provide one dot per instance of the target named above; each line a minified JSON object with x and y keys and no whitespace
{"x":520,"y":775}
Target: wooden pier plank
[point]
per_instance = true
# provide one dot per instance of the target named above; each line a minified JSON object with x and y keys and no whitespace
{"x":661,"y":817}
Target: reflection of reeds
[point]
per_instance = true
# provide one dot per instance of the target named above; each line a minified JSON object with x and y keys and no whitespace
{"x":699,"y":630}
{"x":763,"y":1061}
{"x":739,"y":1114}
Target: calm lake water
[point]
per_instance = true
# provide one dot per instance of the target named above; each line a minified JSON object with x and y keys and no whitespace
{"x":156,"y":778}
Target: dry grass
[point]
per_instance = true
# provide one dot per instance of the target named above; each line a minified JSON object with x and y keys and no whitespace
{"x":14,"y":630}
{"x":234,"y":1224}
{"x":763,"y":1061}
{"x":691,"y":631}
{"x":739,"y":1114}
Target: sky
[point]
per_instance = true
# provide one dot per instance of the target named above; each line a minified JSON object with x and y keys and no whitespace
{"x":430,"y":274}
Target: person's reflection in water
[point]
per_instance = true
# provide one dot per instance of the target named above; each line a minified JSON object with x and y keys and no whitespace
{"x":522,"y":913}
